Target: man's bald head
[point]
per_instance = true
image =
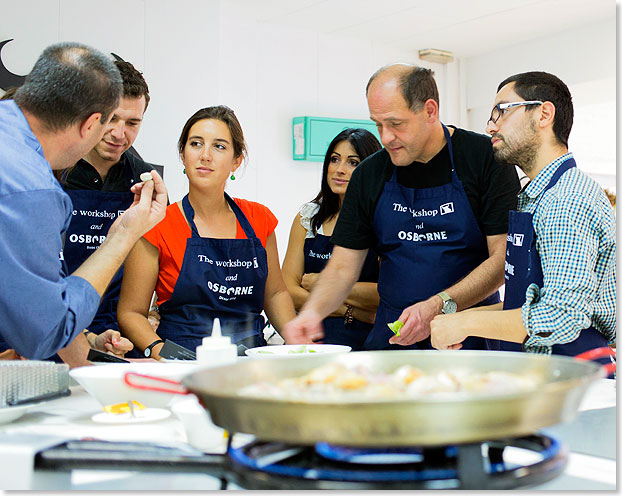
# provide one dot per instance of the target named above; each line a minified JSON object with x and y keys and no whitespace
{"x":416,"y":84}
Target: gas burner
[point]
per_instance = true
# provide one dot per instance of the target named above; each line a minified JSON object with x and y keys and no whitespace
{"x":496,"y":464}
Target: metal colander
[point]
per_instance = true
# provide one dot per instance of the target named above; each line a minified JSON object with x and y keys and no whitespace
{"x":26,"y":381}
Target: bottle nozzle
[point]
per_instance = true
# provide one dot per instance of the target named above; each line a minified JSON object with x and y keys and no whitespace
{"x":216,"y":332}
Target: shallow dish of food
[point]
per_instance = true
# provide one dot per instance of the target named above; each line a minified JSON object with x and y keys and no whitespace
{"x":293,"y":350}
{"x":394,"y":398}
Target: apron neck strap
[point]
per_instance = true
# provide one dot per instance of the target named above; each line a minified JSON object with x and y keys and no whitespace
{"x":450,"y":147}
{"x":239,"y":215}
{"x":564,"y":166}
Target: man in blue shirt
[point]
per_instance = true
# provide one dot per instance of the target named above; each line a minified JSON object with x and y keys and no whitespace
{"x":57,"y":117}
{"x":560,"y":262}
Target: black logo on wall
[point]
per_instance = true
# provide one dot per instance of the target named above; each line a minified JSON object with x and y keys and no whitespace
{"x":7,"y":78}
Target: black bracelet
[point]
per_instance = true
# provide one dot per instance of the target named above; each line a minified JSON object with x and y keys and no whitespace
{"x":348,"y":318}
{"x":149,"y":349}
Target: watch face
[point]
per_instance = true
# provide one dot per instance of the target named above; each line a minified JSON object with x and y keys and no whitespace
{"x":147,"y":352}
{"x":450,"y":307}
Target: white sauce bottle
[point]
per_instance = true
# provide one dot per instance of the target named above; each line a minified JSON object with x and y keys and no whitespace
{"x":216,"y":349}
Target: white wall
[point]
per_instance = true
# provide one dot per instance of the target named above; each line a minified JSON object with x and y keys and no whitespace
{"x":585,"y":59}
{"x":270,"y":74}
{"x":200,"y":53}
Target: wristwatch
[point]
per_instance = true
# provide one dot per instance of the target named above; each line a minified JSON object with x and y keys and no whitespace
{"x":148,"y":349}
{"x":449,"y":305}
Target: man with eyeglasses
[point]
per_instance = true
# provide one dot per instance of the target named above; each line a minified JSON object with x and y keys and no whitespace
{"x":433,"y":203}
{"x":560,"y":277}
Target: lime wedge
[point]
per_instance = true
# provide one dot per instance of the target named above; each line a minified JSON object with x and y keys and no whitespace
{"x":395,"y":327}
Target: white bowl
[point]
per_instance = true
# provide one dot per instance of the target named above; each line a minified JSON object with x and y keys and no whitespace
{"x":105,"y":382}
{"x":295,"y":350}
{"x":201,"y":432}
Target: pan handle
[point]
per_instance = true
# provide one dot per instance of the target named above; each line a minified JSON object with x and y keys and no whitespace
{"x":603,"y":352}
{"x":130,"y":379}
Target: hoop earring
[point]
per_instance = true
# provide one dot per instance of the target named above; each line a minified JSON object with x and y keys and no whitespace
{"x":232,"y":177}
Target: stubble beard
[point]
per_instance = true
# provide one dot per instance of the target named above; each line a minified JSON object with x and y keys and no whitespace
{"x":522,"y":154}
{"x":107,"y":156}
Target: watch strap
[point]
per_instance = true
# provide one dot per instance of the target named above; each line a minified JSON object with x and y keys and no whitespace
{"x":444,"y":296}
{"x":449,"y":305}
{"x":148,"y":349}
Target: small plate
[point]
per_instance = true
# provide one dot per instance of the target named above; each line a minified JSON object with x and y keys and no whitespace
{"x":294,"y":350}
{"x":11,"y":413}
{"x":140,"y":416}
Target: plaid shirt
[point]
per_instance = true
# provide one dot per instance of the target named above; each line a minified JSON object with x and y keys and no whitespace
{"x":575,"y":229}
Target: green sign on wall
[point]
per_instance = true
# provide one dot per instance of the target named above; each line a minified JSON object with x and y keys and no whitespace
{"x":312,"y":135}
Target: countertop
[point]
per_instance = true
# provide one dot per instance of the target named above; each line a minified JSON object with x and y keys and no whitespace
{"x":590,"y":438}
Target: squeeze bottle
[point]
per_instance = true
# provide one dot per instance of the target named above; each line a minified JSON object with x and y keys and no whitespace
{"x":216,"y":349}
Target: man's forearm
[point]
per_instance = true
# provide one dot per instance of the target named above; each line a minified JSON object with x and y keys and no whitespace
{"x":335,"y":281}
{"x":482,"y":281}
{"x":99,"y":268}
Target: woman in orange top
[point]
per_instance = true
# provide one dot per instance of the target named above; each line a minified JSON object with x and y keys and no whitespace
{"x":210,"y":257}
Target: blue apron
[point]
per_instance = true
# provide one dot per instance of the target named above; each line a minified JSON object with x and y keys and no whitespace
{"x":428,"y":239}
{"x":523,"y":267}
{"x":317,"y":252}
{"x":224,"y":278}
{"x":93,"y":214}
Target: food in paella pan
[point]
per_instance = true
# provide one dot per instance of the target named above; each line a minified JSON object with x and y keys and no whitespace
{"x":336,"y":381}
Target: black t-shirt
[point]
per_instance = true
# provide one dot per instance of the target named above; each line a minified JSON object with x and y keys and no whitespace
{"x":84,"y":176}
{"x":491,"y":187}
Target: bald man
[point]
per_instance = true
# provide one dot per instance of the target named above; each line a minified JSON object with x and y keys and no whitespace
{"x":433,"y":204}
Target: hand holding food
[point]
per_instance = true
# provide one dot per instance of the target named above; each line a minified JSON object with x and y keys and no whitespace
{"x":416,"y":319}
{"x":148,"y":208}
{"x":395,"y":327}
{"x":146,"y":176}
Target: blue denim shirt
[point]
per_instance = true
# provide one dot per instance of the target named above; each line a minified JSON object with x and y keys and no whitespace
{"x":41,"y":308}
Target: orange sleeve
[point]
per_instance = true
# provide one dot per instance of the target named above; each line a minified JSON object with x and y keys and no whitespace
{"x":260,"y":217}
{"x":170,"y":237}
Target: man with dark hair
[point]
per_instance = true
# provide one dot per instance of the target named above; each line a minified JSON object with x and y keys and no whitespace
{"x":560,"y":267}
{"x":99,"y":188}
{"x":433,"y":204}
{"x":56,"y":117}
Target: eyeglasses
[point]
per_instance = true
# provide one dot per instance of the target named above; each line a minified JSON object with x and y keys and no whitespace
{"x":501,"y":108}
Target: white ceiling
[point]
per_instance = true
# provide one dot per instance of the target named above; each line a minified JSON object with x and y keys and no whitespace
{"x":465,"y":27}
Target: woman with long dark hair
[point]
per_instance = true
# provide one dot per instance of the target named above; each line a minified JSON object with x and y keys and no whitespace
{"x":309,"y":246}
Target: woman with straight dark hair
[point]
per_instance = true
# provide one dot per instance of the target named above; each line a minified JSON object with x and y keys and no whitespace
{"x":212,"y":255}
{"x":309,"y":246}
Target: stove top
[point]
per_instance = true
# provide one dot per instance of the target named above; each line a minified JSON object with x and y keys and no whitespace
{"x":494,"y":464}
